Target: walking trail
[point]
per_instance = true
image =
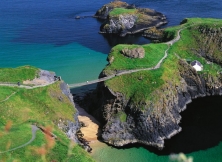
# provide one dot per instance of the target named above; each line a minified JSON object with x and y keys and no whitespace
{"x":25,"y":86}
{"x":34,"y":129}
{"x":170,"y":43}
{"x":91,"y":129}
{"x":8,"y":97}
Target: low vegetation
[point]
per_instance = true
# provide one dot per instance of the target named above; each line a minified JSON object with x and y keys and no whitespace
{"x":121,"y":11}
{"x":18,"y":74}
{"x":153,"y":53}
{"x":142,"y":86}
{"x":45,"y":107}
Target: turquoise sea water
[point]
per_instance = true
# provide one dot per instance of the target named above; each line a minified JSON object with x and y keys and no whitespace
{"x":108,"y":154}
{"x":201,"y":138}
{"x":68,"y":61}
{"x":47,"y":35}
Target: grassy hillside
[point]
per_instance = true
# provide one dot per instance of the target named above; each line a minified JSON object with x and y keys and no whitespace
{"x":153,"y":53}
{"x":46,"y":107}
{"x":146,"y":85}
{"x":18,"y":74}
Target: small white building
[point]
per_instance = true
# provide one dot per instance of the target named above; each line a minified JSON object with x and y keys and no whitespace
{"x":197,"y":65}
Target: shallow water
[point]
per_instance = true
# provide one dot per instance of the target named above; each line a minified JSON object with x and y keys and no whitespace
{"x":200,"y":138}
{"x":47,"y":35}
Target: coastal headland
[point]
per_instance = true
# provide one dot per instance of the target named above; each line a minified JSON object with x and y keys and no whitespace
{"x":144,"y":106}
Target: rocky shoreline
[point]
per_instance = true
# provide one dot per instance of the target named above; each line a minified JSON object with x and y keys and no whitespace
{"x":150,"y":127}
{"x":73,"y":129}
{"x":128,"y":22}
{"x":150,"y":122}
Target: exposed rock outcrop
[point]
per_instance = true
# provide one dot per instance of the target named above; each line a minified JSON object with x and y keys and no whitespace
{"x":134,"y":53}
{"x":70,"y":128}
{"x":151,"y":122}
{"x":128,"y":19}
{"x":44,"y":77}
{"x":210,"y":43}
{"x":153,"y":33}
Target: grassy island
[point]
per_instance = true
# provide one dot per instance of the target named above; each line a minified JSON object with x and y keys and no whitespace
{"x":143,"y":86}
{"x":122,"y":18}
{"x":44,"y":107}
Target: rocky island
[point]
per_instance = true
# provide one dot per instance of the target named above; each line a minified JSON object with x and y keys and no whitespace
{"x":122,"y":18}
{"x":143,"y":100}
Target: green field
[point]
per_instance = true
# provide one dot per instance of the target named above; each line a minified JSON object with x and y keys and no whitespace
{"x":44,"y":106}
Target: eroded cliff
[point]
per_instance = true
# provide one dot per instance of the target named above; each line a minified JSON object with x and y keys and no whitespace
{"x":144,"y":107}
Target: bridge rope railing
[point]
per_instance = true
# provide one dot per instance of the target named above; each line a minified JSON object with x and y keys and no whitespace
{"x":169,"y":43}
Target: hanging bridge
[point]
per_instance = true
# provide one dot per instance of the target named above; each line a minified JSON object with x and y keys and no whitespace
{"x":170,"y":43}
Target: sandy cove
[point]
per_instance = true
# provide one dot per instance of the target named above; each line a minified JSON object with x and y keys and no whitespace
{"x":91,"y":129}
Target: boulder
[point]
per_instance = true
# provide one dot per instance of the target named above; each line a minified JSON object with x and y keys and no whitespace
{"x":138,"y":52}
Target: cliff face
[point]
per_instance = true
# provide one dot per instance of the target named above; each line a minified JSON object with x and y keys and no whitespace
{"x":121,"y":24}
{"x":210,"y":43}
{"x":127,"y":123}
{"x":153,"y":33}
{"x":70,"y":128}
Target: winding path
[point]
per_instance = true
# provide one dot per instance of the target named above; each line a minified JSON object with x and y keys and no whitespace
{"x":170,"y":43}
{"x":25,"y":86}
{"x":34,"y":129}
{"x":8,"y":97}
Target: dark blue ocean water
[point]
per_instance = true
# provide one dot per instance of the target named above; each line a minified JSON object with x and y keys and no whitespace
{"x":47,"y":35}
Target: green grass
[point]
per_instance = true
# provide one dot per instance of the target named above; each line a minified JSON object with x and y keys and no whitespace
{"x":60,"y":151}
{"x":46,"y":106}
{"x":37,"y":104}
{"x":15,"y":137}
{"x":153,"y":53}
{"x":136,"y":86}
{"x":6,"y":92}
{"x":18,"y":74}
{"x":123,"y":117}
{"x":122,"y":11}
{"x":150,"y":87}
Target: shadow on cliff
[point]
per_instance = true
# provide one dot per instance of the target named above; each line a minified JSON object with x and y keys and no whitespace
{"x":201,"y":128}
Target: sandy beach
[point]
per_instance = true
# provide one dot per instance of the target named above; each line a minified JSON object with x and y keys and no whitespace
{"x":91,"y":129}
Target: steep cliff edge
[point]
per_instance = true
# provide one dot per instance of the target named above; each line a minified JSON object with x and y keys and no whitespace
{"x":122,"y":18}
{"x":144,"y":107}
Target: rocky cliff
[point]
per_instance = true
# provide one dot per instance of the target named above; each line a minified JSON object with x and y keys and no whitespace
{"x":127,"y":123}
{"x":153,"y":33}
{"x":70,"y":128}
{"x":145,"y":107}
{"x":122,"y":18}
